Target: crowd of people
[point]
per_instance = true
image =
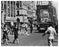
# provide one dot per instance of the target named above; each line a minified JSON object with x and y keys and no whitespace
{"x":13,"y":29}
{"x":16,"y":28}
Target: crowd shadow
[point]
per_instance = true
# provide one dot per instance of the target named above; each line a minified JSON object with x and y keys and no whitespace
{"x":40,"y":31}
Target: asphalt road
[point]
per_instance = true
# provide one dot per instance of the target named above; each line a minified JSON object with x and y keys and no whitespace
{"x":34,"y":39}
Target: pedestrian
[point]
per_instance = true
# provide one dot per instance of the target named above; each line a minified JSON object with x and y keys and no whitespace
{"x":31,"y":22}
{"x":5,"y":34}
{"x":15,"y":30}
{"x":50,"y":31}
{"x":25,"y":27}
{"x":15,"y":34}
{"x":12,"y":25}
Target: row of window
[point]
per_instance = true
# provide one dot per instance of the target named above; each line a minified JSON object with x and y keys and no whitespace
{"x":9,"y":7}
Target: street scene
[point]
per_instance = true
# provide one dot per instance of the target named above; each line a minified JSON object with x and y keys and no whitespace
{"x":29,"y":23}
{"x":34,"y":39}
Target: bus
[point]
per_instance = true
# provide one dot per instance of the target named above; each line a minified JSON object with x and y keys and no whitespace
{"x":46,"y":15}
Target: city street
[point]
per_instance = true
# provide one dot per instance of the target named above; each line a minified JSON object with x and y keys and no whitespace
{"x":34,"y":39}
{"x":25,"y":16}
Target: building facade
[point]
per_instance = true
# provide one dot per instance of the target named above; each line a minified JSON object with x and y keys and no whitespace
{"x":17,"y":9}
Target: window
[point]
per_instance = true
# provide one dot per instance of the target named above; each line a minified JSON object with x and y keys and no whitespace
{"x":17,"y":4}
{"x":1,"y":4}
{"x":17,"y":12}
{"x":20,"y":3}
